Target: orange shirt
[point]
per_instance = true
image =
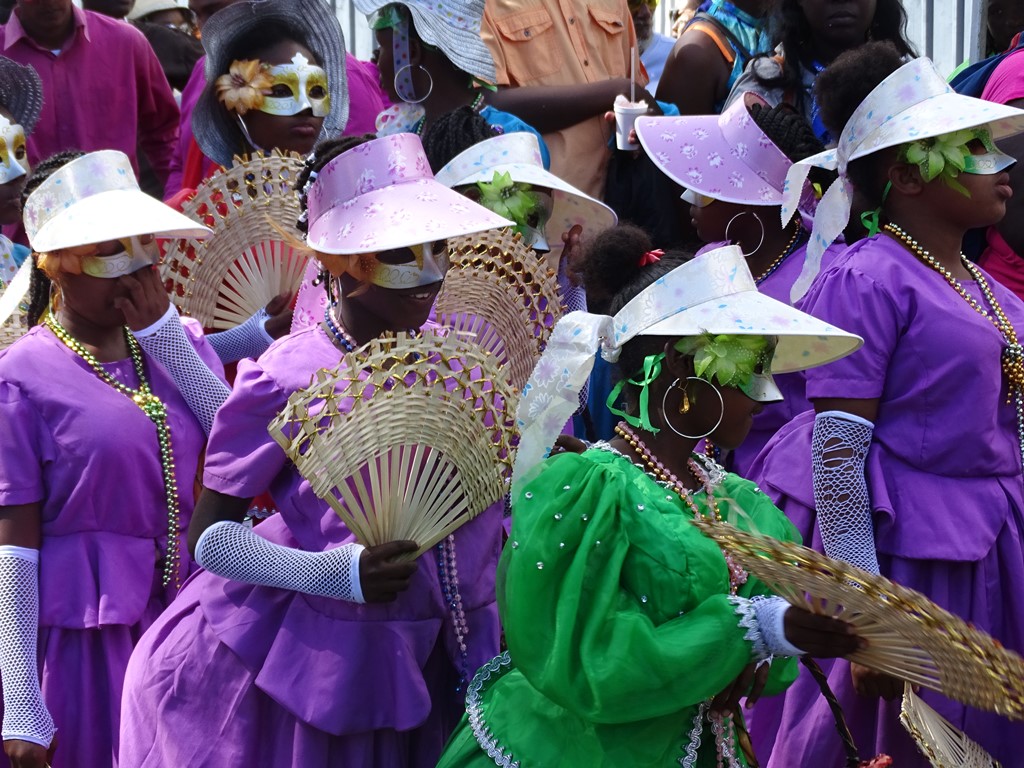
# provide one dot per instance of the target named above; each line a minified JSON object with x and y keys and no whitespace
{"x":564,"y":42}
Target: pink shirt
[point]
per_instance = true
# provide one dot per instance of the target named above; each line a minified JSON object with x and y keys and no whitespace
{"x":1006,"y":83}
{"x":103,"y":90}
{"x":366,"y":101}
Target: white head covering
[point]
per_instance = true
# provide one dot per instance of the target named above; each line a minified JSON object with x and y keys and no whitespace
{"x":912,"y":103}
{"x":713,"y":293}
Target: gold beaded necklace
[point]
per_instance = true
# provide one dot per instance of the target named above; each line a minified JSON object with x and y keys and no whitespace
{"x":156,"y":411}
{"x":1012,"y":357}
{"x":781,"y":257}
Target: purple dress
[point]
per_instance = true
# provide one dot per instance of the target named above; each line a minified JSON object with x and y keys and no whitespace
{"x":91,"y":459}
{"x":943,"y":473}
{"x":236,"y":674}
{"x":777,"y":285}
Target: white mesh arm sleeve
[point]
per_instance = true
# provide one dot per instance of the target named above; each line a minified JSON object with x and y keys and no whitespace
{"x":25,"y":715}
{"x":762,"y":618}
{"x":250,"y":339}
{"x":233,"y":551}
{"x":166,"y":341}
{"x":839,"y":449}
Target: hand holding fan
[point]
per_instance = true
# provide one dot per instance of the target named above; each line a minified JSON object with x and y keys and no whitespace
{"x":908,"y":636}
{"x":409,"y":438}
{"x":250,"y":258}
{"x":500,"y":294}
{"x":944,"y":745}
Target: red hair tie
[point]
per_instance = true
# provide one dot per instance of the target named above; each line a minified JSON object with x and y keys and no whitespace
{"x":651,"y":257}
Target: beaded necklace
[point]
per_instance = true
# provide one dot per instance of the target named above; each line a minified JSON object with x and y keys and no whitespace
{"x":1012,"y":357}
{"x":737,"y":575}
{"x":156,"y":411}
{"x":786,"y":252}
{"x":337,"y":334}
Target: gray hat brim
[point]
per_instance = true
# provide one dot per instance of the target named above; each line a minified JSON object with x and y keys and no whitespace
{"x":463,"y":47}
{"x":215,"y":129}
{"x":21,"y":93}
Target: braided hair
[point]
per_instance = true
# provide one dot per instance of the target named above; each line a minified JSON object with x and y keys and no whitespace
{"x":323,"y":153}
{"x":793,"y":135}
{"x":453,"y":133}
{"x":39,"y":287}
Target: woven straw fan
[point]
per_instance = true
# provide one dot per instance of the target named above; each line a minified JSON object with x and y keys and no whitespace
{"x":407,"y":439}
{"x":502,"y":295}
{"x":944,"y":745}
{"x":908,"y":636}
{"x":247,"y":261}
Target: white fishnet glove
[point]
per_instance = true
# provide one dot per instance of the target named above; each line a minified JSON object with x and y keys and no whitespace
{"x":233,"y":551}
{"x":25,"y":715}
{"x":250,"y":339}
{"x":166,"y":341}
{"x":839,"y":448}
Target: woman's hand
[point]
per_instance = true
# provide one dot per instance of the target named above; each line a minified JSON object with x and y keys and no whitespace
{"x":820,"y":636}
{"x":147,"y":300}
{"x":873,"y":685}
{"x":280,"y":311}
{"x":750,"y":683}
{"x":381,"y":579}
{"x":26,"y":754}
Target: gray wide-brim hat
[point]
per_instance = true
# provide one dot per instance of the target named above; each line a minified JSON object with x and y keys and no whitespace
{"x":21,"y":93}
{"x":451,"y":25}
{"x":213,"y":126}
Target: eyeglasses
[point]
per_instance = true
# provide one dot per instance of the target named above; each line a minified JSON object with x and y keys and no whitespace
{"x":636,"y":5}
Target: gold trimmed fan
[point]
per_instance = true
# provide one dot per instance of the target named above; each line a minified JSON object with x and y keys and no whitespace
{"x":502,"y":295}
{"x":945,"y":745}
{"x":909,"y":636}
{"x":410,"y":437}
{"x":249,"y":259}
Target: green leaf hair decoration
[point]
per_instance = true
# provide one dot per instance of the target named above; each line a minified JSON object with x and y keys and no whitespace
{"x":730,"y":360}
{"x":509,"y":199}
{"x":945,"y":156}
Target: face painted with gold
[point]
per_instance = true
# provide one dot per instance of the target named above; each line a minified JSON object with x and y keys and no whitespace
{"x":297,"y":86}
{"x":13,"y":155}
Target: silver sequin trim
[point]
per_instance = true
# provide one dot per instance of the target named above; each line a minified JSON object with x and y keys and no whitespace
{"x":496,"y":667}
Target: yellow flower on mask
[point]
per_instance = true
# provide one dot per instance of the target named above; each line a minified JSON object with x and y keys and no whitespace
{"x":242,"y":88}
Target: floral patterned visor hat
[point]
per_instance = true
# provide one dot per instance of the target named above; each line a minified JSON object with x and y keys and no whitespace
{"x":913,"y":107}
{"x":713,"y":295}
{"x":381,"y":196}
{"x":509,"y":172}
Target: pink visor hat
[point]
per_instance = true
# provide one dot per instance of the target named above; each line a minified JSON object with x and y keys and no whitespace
{"x":727,"y":157}
{"x":381,"y":195}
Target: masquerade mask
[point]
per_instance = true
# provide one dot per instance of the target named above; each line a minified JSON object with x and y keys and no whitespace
{"x":529,"y":209}
{"x":740,"y":362}
{"x":296,"y":87}
{"x":409,"y":267}
{"x":696,"y":199}
{"x":13,"y":156}
{"x":83,"y":260}
{"x":949,"y":155}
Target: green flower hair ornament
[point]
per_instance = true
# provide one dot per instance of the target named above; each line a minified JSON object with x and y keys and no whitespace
{"x":730,"y":360}
{"x":510,"y":199}
{"x":946,"y":156}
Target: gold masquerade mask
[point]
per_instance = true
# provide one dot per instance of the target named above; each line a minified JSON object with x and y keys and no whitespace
{"x":296,"y":87}
{"x":409,"y":267}
{"x":13,"y":155}
{"x":80,"y":260}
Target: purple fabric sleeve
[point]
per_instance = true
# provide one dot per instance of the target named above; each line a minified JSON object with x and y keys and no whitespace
{"x":21,"y":472}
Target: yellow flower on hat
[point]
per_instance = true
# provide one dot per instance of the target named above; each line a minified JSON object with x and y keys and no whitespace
{"x":242,"y":88}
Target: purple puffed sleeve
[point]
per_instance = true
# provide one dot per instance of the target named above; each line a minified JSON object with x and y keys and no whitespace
{"x":850,"y":299}
{"x":242,"y":458}
{"x":24,"y":448}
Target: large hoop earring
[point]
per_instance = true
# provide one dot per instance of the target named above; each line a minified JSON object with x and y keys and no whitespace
{"x":668,"y":421}
{"x":412,"y":99}
{"x":759,"y":223}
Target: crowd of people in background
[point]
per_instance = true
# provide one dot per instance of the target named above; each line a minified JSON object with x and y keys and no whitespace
{"x":797,"y":192}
